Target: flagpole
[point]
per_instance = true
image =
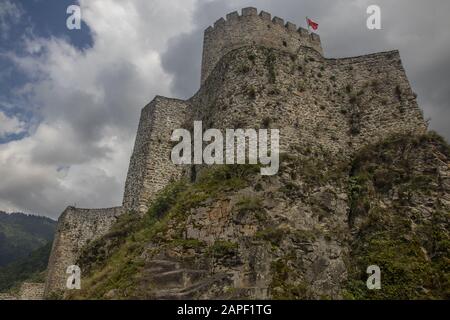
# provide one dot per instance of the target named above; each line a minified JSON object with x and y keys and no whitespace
{"x":307,"y":23}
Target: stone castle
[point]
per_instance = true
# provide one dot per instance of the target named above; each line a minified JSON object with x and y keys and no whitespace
{"x":257,"y":71}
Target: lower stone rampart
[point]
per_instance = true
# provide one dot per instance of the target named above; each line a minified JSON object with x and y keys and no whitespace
{"x":76,"y":228}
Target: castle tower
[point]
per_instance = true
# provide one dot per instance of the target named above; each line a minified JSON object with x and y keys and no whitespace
{"x":249,"y":28}
{"x":312,"y":98}
{"x":150,"y":167}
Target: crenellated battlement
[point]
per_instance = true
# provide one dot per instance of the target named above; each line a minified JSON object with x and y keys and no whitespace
{"x":251,"y":28}
{"x":266,"y":16}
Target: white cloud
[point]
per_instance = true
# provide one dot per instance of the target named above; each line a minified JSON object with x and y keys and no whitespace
{"x":10,"y":14}
{"x":10,"y":125}
{"x":89,"y":103}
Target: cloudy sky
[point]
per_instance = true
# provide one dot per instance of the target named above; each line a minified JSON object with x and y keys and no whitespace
{"x":70,"y":99}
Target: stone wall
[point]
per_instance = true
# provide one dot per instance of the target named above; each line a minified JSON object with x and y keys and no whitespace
{"x":264,"y":73}
{"x":76,"y":228}
{"x":7,"y":296}
{"x":31,"y":291}
{"x":376,"y":97}
{"x":27,"y":291}
{"x":337,"y":105}
{"x":150,"y":166}
{"x":252,"y":29}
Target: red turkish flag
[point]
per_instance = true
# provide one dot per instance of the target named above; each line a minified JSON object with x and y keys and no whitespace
{"x":313,"y":24}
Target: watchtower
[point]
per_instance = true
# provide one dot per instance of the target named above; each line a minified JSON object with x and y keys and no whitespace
{"x":251,"y":28}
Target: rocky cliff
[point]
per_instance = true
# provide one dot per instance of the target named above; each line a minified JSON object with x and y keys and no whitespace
{"x":308,"y":233}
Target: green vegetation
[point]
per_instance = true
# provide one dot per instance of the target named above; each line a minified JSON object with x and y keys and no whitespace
{"x":95,"y":254}
{"x":272,"y":235}
{"x":406,"y":271}
{"x":302,"y":236}
{"x":249,"y":204}
{"x":411,"y":250}
{"x":115,"y":260}
{"x":281,"y":287}
{"x":222,"y":248}
{"x":312,"y":169}
{"x":20,"y":234}
{"x":271,"y":59}
{"x":31,"y":268}
{"x":189,"y":244}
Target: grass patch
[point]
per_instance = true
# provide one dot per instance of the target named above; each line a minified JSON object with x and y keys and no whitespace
{"x":281,"y":287}
{"x":272,"y":234}
{"x":222,"y":248}
{"x":411,"y":250}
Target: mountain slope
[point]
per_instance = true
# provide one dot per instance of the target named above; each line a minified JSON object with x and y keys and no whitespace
{"x":20,"y":234}
{"x":31,"y":268}
{"x":308,"y":233}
